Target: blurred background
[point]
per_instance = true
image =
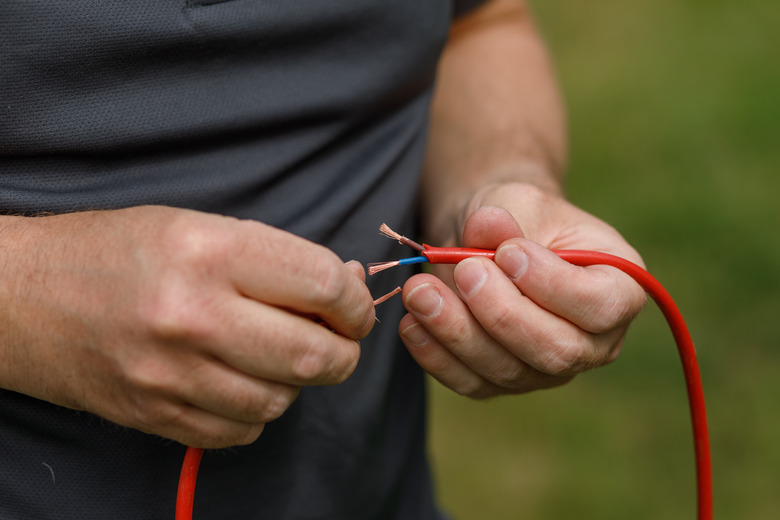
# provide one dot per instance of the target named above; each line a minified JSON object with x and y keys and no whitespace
{"x":675,"y":136}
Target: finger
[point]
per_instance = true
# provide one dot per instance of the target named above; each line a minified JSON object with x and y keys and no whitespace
{"x":192,"y":426}
{"x":159,"y":403}
{"x":597,"y":299}
{"x":281,"y":269}
{"x":357,"y":268}
{"x":222,"y":390}
{"x":263,"y":341}
{"x":549,"y":343}
{"x":489,"y":226}
{"x":442,"y":322}
{"x":283,"y":347}
{"x":441,"y":363}
{"x":444,"y":316}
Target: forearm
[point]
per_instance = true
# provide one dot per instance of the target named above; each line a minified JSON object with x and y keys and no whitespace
{"x":14,"y":251}
{"x":496,"y":116}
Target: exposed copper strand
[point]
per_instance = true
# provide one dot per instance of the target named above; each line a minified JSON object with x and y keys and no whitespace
{"x":385,"y":230}
{"x":387,"y":296}
{"x":376,"y":267}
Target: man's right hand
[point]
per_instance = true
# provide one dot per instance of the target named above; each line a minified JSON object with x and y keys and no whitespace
{"x":195,"y":327}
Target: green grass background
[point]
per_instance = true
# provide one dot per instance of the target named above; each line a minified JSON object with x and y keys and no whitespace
{"x":675,"y":126}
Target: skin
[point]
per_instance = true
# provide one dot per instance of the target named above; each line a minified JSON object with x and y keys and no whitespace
{"x":493,"y":179}
{"x":192,"y":327}
{"x":174,"y":322}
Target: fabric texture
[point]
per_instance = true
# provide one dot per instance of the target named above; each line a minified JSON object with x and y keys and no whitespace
{"x":307,"y":115}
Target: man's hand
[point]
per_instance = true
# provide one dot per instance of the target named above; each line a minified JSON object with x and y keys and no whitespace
{"x":191,"y":326}
{"x":528,"y":320}
{"x":497,"y":147}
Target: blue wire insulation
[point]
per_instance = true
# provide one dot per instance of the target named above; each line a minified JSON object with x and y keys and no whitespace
{"x":413,"y":260}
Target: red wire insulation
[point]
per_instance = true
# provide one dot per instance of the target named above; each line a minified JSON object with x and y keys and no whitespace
{"x":453,"y":255}
{"x":185,"y":496}
{"x":685,"y":346}
{"x":698,"y":412}
{"x":687,"y":351}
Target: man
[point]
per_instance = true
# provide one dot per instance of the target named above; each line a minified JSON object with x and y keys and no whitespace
{"x":168,"y":171}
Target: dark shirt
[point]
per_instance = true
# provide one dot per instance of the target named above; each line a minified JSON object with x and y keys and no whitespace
{"x":306,"y":115}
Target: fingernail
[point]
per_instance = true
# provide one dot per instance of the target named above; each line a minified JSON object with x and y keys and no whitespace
{"x":512,"y":260}
{"x":470,"y":276}
{"x":424,"y":300}
{"x":416,"y":335}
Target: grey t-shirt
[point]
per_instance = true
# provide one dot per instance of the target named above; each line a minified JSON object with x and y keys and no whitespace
{"x":307,"y":115}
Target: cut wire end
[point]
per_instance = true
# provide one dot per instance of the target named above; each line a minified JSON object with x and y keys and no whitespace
{"x":380,"y":266}
{"x":385,"y":230}
{"x":387,"y":296}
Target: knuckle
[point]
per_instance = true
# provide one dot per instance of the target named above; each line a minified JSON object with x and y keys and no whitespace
{"x":614,"y":308}
{"x":613,"y":353}
{"x":312,"y":363}
{"x":347,"y":365}
{"x":565,"y":358}
{"x":474,"y":388}
{"x":509,"y":375}
{"x":457,"y":333}
{"x":329,"y":283}
{"x":196,"y":244}
{"x":608,"y":313}
{"x":574,"y":355}
{"x":250,"y":434}
{"x":501,"y":319}
{"x":278,"y":403}
{"x":148,"y":377}
{"x":164,"y":319}
{"x":325,"y":362}
{"x":226,"y":436}
{"x":173,"y":313}
{"x":600,"y":322}
{"x":157,"y":416}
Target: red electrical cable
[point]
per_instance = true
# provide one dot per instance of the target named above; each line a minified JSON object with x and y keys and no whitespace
{"x":692,"y":375}
{"x":185,"y":496}
{"x":656,"y":291}
{"x":687,"y":351}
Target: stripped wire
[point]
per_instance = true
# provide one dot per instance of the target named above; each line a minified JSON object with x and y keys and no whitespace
{"x":451,"y":255}
{"x":434,"y":255}
{"x":376,"y":267}
{"x":687,"y":352}
{"x":387,"y":296}
{"x":385,"y":230}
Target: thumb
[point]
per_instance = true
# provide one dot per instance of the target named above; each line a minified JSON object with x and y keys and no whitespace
{"x":489,"y":226}
{"x":357,"y":268}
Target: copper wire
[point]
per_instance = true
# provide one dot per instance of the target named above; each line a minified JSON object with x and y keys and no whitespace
{"x":387,"y":296}
{"x":385,"y":230}
{"x":376,"y":267}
